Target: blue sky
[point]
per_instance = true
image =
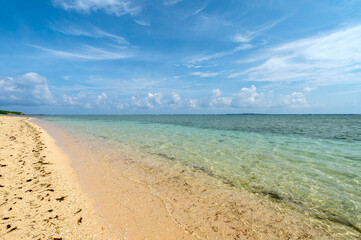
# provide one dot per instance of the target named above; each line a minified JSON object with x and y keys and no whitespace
{"x":180,"y":56}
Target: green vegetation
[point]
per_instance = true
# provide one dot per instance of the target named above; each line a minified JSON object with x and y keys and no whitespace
{"x":10,"y":112}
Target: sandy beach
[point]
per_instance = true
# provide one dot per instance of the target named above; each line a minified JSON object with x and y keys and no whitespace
{"x":40,"y":195}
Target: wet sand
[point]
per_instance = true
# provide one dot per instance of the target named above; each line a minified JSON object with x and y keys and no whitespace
{"x":142,"y":197}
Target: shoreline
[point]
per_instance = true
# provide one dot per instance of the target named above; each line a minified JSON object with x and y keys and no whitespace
{"x":200,"y":206}
{"x":129,"y":207}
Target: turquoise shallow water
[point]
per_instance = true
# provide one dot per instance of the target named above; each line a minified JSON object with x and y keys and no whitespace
{"x":309,"y":161}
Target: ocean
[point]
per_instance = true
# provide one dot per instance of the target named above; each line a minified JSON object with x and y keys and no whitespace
{"x":310,"y":162}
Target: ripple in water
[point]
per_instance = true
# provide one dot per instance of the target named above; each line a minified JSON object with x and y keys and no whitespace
{"x":310,"y":161}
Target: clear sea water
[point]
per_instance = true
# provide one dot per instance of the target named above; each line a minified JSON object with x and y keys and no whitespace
{"x":310,"y":161}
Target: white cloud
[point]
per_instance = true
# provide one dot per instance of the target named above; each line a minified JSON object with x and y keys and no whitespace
{"x":88,"y":105}
{"x":215,"y":99}
{"x":92,"y":99}
{"x":245,"y":98}
{"x":80,"y":99}
{"x":176,"y":101}
{"x":28,"y":89}
{"x":159,"y":101}
{"x":251,"y":98}
{"x":309,"y":89}
{"x":70,"y":100}
{"x":295,"y":99}
{"x":119,"y":105}
{"x":101,"y":98}
{"x":115,"y":7}
{"x":331,"y":58}
{"x":152,"y":100}
{"x":192,"y":103}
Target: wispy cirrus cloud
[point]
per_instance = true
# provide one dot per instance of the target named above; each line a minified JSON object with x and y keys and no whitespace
{"x":115,"y":7}
{"x":206,"y":57}
{"x":199,"y":10}
{"x":244,"y":39}
{"x":91,"y":31}
{"x":248,"y":35}
{"x":330,"y":58}
{"x":113,"y":46}
{"x":86,"y":53}
{"x":171,"y":2}
{"x":205,"y":74}
{"x":199,"y":58}
{"x":142,"y":22}
{"x":244,"y":46}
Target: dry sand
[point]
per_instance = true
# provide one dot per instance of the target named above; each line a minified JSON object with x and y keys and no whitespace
{"x":40,"y":197}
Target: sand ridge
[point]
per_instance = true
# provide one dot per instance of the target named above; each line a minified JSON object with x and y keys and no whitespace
{"x":40,"y":197}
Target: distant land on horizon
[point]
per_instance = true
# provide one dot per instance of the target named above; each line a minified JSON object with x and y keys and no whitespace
{"x":11,"y":112}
